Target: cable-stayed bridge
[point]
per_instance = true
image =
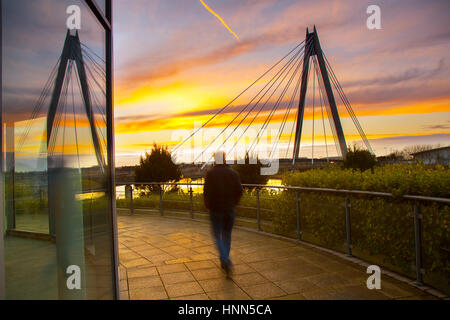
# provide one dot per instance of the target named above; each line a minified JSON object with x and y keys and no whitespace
{"x":73,"y":104}
{"x":281,"y":94}
{"x":301,"y":86}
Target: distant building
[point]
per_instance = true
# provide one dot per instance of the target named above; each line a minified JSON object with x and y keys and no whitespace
{"x":433,"y":156}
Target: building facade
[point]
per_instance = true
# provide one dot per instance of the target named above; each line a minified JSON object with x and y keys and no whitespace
{"x":433,"y":156}
{"x":58,"y":225}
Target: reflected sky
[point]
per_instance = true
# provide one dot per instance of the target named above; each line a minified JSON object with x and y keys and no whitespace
{"x":33,"y":39}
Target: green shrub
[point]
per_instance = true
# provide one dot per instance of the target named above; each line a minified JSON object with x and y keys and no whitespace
{"x":396,"y":179}
{"x":382,"y":228}
{"x":358,"y":159}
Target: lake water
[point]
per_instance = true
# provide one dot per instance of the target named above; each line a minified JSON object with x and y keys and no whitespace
{"x":120,"y":190}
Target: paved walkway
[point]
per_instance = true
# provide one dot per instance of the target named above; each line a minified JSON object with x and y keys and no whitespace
{"x":167,"y":258}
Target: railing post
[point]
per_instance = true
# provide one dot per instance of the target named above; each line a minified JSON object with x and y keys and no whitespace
{"x":418,"y":243}
{"x":131,"y":200}
{"x":41,"y":204}
{"x":258,"y":210}
{"x":297,"y":211}
{"x":348,"y":226}
{"x":191,"y":202}
{"x":160,"y":200}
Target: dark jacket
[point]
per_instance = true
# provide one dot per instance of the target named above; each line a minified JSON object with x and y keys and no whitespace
{"x":222,"y":190}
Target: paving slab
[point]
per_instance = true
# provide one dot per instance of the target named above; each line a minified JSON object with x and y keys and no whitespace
{"x":169,"y":258}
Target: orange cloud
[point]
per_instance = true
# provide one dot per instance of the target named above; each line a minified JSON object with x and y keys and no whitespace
{"x":143,"y":79}
{"x":187,"y":122}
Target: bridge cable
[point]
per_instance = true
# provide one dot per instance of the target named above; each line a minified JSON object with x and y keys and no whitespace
{"x":286,"y":116}
{"x":223,"y":108}
{"x":283,"y":125}
{"x":59,"y":115}
{"x":92,"y":51}
{"x":248,"y":126}
{"x":87,"y":67}
{"x":300,"y":133}
{"x":69,"y":72}
{"x":291,"y":134}
{"x":55,"y":128}
{"x":276,"y":105}
{"x":94,"y":100}
{"x":343,"y":99}
{"x":328,"y":109}
{"x":280,"y":72}
{"x":99,"y":70}
{"x":39,"y":103}
{"x":273,"y":81}
{"x":97,"y":66}
{"x":268,"y":118}
{"x":75,"y":124}
{"x":283,"y":122}
{"x":321,"y":109}
{"x":348,"y":106}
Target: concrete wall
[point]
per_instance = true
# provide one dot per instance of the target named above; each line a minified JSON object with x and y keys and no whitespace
{"x":440,"y":156}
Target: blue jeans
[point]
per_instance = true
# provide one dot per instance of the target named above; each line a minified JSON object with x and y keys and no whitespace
{"x":222,"y":225}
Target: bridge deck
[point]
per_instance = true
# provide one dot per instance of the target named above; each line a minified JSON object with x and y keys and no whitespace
{"x":167,"y":258}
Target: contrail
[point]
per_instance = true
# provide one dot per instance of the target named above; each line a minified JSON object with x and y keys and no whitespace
{"x":220,"y":19}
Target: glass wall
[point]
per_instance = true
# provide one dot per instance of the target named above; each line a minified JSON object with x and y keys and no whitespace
{"x":101,"y":5}
{"x":57,"y":154}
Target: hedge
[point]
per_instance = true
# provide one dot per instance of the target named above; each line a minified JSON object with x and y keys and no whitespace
{"x":382,"y":228}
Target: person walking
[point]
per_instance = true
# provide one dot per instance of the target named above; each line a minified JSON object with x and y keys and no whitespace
{"x":222,"y":192}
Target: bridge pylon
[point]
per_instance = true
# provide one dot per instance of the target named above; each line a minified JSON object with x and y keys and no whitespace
{"x":313,"y":48}
{"x":71,"y":51}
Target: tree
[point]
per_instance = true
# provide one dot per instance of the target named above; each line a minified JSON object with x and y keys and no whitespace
{"x":157,"y":166}
{"x":251,"y":173}
{"x":395,"y":155}
{"x":359,"y":159}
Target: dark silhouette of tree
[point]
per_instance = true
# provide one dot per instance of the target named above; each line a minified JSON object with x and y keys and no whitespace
{"x":156,"y":166}
{"x":251,"y":173}
{"x":358,"y":159}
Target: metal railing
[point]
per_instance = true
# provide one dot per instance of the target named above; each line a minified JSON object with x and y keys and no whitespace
{"x":415,"y":214}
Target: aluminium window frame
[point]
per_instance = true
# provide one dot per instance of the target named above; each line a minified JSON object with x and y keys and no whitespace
{"x":106,"y":19}
{"x":2,"y":179}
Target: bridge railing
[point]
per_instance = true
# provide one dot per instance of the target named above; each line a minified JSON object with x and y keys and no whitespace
{"x":328,"y":218}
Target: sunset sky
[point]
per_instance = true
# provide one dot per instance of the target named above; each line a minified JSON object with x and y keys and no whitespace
{"x":177,"y":63}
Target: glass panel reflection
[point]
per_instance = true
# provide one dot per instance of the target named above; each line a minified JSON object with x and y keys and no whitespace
{"x":101,"y":5}
{"x":57,"y":186}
